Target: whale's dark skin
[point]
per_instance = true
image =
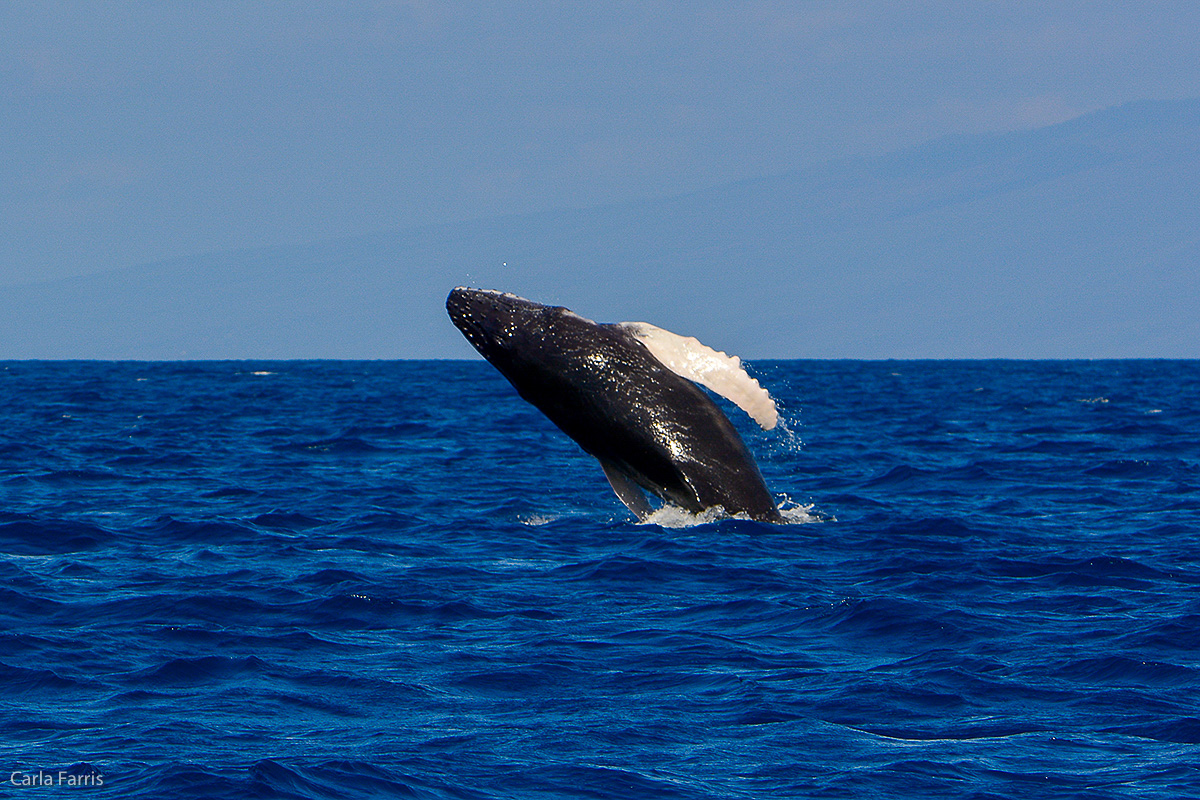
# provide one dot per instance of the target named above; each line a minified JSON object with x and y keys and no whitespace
{"x":605,"y":390}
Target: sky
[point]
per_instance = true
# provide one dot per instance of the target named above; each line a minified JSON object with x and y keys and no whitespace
{"x":137,"y":132}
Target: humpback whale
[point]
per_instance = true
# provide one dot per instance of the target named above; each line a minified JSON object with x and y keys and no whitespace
{"x":627,"y":393}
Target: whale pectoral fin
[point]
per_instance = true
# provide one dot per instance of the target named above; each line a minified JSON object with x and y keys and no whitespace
{"x":629,"y":492}
{"x":713,"y":369}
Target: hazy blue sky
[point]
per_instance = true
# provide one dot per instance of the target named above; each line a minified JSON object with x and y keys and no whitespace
{"x":133,"y":132}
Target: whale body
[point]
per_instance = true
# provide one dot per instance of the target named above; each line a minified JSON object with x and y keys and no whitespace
{"x":627,"y":393}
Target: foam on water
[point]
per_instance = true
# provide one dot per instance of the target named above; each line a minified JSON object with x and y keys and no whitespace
{"x":670,"y":516}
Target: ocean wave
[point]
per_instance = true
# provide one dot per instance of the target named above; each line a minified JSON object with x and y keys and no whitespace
{"x":1120,"y":670}
{"x":168,"y":529}
{"x":20,"y":679}
{"x":1179,"y":730}
{"x":26,"y":535}
{"x":338,"y":445}
{"x":202,"y":669}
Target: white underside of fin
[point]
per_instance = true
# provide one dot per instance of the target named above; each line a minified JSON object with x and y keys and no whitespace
{"x":720,"y":372}
{"x":628,"y":491}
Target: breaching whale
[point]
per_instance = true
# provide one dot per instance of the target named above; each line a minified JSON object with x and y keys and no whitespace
{"x":627,"y":394}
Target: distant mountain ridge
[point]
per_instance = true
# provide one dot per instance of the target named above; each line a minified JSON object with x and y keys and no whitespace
{"x":1074,"y":240}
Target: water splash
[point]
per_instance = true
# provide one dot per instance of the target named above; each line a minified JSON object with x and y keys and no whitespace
{"x":669,"y":516}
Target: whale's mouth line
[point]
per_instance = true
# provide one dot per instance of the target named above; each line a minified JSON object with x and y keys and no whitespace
{"x":460,"y":309}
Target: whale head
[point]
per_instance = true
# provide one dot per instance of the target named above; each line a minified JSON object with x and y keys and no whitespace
{"x":514,"y":334}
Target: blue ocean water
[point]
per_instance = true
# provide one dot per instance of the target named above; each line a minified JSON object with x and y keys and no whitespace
{"x":396,"y":579}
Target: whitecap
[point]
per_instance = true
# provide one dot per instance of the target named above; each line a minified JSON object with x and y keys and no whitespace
{"x":536,"y":519}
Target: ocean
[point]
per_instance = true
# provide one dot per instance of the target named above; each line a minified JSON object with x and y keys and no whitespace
{"x":397,"y":579}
